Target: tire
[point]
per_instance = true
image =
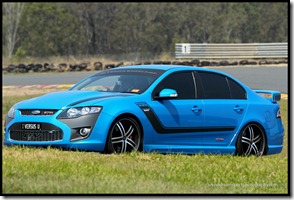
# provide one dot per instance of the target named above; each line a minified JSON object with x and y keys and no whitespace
{"x":251,"y":141}
{"x":124,"y":136}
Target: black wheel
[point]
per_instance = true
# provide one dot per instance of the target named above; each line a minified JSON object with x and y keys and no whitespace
{"x":251,"y":141}
{"x":124,"y":136}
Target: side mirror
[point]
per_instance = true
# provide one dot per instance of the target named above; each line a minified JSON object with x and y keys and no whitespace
{"x":167,"y":94}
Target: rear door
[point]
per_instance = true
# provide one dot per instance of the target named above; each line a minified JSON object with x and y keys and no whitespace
{"x":225,"y":104}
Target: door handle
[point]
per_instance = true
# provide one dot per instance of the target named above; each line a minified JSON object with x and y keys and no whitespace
{"x":195,"y":109}
{"x":238,"y":109}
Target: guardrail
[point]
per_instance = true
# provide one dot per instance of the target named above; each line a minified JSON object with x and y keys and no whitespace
{"x":240,"y":50}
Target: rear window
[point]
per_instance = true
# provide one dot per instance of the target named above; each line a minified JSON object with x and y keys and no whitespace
{"x":237,"y":91}
{"x":217,"y":86}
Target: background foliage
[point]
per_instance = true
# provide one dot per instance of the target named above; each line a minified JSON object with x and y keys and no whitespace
{"x":87,"y":29}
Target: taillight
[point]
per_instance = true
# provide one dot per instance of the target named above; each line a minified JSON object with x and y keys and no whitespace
{"x":278,"y":114}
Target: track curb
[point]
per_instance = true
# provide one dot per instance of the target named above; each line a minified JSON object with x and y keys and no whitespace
{"x":42,"y":86}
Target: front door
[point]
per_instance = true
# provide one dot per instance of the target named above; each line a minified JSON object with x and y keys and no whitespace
{"x":178,"y":120}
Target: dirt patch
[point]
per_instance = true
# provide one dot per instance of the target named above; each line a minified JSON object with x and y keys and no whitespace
{"x":27,"y":91}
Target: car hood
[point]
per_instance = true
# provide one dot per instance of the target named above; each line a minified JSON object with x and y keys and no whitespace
{"x":58,"y":100}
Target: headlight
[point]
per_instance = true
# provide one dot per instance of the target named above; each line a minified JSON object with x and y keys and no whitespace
{"x":11,"y":112}
{"x":77,"y":112}
{"x":72,"y":113}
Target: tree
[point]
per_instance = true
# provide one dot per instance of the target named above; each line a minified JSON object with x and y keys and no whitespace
{"x":96,"y":20}
{"x":50,"y":30}
{"x":11,"y":18}
{"x":138,"y":30}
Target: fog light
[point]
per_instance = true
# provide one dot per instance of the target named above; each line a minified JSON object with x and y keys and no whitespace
{"x":85,"y":132}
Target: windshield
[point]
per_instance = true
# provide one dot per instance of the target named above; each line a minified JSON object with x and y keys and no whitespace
{"x":120,"y":80}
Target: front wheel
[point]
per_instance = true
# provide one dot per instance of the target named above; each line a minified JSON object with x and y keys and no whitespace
{"x":251,"y":141}
{"x":124,"y":136}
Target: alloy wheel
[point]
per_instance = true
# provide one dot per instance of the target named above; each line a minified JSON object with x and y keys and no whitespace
{"x":251,"y":141}
{"x":125,"y":136}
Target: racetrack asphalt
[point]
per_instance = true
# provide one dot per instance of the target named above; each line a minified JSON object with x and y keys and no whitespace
{"x":268,"y":78}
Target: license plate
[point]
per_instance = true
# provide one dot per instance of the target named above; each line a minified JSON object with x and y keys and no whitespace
{"x":31,"y":126}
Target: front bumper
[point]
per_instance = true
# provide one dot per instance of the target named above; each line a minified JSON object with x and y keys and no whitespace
{"x":61,"y":133}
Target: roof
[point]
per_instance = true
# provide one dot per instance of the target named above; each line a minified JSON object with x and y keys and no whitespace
{"x":173,"y":67}
{"x":160,"y":67}
{"x":168,"y":67}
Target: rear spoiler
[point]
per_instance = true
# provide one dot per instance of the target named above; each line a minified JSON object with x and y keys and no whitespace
{"x":271,"y":95}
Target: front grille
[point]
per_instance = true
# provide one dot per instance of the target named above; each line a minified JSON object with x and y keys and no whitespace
{"x":48,"y":132}
{"x":37,"y":112}
{"x":36,"y":135}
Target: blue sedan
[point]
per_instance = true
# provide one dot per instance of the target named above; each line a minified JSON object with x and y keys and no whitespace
{"x":152,"y":108}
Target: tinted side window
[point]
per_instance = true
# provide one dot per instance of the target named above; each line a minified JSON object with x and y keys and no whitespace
{"x":215,"y":86}
{"x":182,"y":82}
{"x":237,"y":91}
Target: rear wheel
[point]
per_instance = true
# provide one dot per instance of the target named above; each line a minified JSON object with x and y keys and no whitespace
{"x":124,"y":136}
{"x":251,"y":141}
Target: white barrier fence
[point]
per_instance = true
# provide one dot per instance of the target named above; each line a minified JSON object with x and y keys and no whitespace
{"x":240,"y":50}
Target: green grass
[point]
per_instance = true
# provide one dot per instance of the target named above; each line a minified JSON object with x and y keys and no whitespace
{"x":28,"y":170}
{"x":54,"y":171}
